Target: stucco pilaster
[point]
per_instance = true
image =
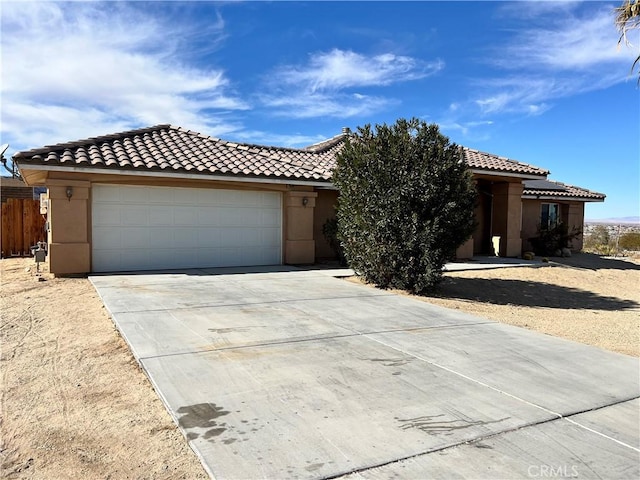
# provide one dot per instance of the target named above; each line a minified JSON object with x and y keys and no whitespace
{"x":575,"y":219}
{"x":68,"y":218}
{"x":299,"y":242}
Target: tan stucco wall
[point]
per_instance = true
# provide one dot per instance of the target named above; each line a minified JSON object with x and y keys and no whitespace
{"x":530,"y":222}
{"x":575,"y":218}
{"x":69,"y":227}
{"x":571,"y":213}
{"x":465,"y":250}
{"x":299,"y":245}
{"x":325,"y":209}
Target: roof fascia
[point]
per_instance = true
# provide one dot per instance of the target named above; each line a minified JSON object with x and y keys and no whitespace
{"x":526,"y":176}
{"x":560,"y":199}
{"x":185,"y":176}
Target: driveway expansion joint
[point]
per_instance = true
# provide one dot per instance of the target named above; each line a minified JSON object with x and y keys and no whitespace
{"x":312,"y":339}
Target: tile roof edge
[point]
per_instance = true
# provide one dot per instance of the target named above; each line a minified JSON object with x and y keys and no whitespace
{"x":325,"y":144}
{"x":547,"y":172}
{"x":256,"y":145}
{"x":590,"y":192}
{"x":88,"y":141}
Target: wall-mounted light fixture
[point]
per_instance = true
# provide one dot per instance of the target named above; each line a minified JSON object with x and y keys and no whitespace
{"x":69,"y":193}
{"x":305,"y":200}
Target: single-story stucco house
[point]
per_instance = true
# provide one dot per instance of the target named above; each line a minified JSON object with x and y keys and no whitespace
{"x":165,"y":197}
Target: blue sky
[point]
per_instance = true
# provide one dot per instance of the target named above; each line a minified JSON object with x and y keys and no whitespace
{"x":540,"y":82}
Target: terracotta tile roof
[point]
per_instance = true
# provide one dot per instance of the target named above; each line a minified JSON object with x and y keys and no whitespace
{"x":173,"y":149}
{"x":553,"y":189}
{"x":166,"y":148}
{"x":493,"y":163}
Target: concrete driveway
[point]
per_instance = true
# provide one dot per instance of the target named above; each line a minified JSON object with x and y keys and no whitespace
{"x":284,"y":373}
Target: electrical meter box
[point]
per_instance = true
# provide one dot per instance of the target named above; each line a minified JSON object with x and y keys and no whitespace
{"x":44,"y":203}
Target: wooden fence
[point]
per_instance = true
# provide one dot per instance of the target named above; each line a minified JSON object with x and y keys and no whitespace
{"x":22,"y":226}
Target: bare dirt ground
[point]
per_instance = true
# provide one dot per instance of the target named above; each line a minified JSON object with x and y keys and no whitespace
{"x":74,"y":403}
{"x":585,"y":298}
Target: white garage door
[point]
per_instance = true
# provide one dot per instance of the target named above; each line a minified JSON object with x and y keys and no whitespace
{"x":151,"y":228}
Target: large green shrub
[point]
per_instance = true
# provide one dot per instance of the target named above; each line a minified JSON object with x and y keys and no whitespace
{"x":406,"y":203}
{"x":330,"y":232}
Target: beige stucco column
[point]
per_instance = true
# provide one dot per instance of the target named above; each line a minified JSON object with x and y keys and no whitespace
{"x":507,"y":217}
{"x":68,"y":238}
{"x":299,"y":243}
{"x":575,"y":219}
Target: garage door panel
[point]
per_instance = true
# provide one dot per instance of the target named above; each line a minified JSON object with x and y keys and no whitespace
{"x":134,"y":215}
{"x":270,"y":217}
{"x":135,"y":259}
{"x":140,"y":228}
{"x":229,"y":236}
{"x":161,"y":238}
{"x":108,"y":214}
{"x":250,"y":237}
{"x":159,"y":196}
{"x":106,"y":257}
{"x":208,"y":216}
{"x":184,"y":215}
{"x":160,"y":215}
{"x":270,"y":201}
{"x":208,"y":236}
{"x":105,"y":238}
{"x":186,"y":238}
{"x":185,"y":196}
{"x":228,"y":216}
{"x":270,"y":237}
{"x":133,"y":195}
{"x":252,"y":216}
{"x":135,"y":237}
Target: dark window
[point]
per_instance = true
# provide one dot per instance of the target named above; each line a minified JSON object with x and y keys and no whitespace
{"x":550,"y":215}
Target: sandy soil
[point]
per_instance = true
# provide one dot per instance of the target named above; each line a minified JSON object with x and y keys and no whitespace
{"x":585,"y":298}
{"x":74,"y":403}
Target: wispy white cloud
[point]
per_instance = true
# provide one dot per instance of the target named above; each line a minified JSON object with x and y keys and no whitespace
{"x":562,"y":49}
{"x":83,"y":69}
{"x":334,"y":104}
{"x":574,"y":43}
{"x":528,"y":10}
{"x":340,"y":69}
{"x":464,"y":128}
{"x":325,"y":86}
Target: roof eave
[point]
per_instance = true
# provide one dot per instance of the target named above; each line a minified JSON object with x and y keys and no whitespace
{"x":177,"y":175}
{"x":497,"y":173}
{"x":562,"y":198}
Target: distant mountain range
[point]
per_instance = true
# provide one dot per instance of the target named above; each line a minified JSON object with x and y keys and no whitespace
{"x":618,"y":221}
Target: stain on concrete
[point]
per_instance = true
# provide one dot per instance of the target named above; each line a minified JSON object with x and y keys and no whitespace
{"x":214,"y":432}
{"x":482,"y":445}
{"x":313,"y":467}
{"x":202,"y":416}
{"x":392,"y":362}
{"x":436,"y":424}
